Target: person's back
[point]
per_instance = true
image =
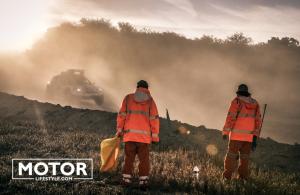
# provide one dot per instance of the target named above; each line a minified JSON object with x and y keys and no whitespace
{"x":242,"y":122}
{"x":140,"y":111}
{"x":242,"y":125}
{"x":138,"y":123}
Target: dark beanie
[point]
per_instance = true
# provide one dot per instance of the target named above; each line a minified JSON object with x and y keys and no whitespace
{"x":243,"y":90}
{"x":142,"y":84}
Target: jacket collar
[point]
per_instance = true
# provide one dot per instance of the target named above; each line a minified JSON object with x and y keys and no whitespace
{"x":142,"y":95}
{"x":248,"y":100}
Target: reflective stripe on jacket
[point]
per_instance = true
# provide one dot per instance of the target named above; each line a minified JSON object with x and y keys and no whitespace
{"x":243,"y":120}
{"x":138,"y":118}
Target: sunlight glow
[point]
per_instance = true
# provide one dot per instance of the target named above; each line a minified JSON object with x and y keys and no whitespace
{"x":211,"y":149}
{"x":22,"y":23}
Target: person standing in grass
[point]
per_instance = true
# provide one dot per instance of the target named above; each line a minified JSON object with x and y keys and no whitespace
{"x":138,"y":124}
{"x":242,"y":125}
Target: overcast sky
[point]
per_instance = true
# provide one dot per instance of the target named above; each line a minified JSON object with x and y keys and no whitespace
{"x":22,"y":22}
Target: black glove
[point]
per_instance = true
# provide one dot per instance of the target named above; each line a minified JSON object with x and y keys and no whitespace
{"x":254,"y":143}
{"x":224,"y":137}
{"x":119,"y":134}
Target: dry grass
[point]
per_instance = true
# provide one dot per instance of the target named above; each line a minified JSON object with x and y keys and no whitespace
{"x":171,"y":169}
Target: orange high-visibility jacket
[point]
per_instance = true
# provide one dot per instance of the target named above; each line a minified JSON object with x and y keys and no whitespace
{"x":243,"y":120}
{"x":138,"y":117}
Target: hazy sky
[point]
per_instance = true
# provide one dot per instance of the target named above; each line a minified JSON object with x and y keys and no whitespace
{"x":22,"y":22}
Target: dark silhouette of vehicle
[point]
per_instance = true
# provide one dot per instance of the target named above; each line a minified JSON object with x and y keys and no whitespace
{"x":71,"y":87}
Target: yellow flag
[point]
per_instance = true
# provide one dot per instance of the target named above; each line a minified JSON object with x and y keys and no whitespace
{"x":109,"y":152}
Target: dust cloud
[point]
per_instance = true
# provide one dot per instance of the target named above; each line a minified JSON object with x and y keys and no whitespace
{"x":195,"y":79}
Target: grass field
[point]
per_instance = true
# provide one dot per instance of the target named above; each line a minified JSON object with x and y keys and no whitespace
{"x":171,"y":166}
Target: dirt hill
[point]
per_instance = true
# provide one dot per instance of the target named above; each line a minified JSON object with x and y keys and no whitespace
{"x":30,"y":128}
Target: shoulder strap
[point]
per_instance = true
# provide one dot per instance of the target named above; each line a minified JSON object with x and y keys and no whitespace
{"x":256,"y":109}
{"x":126,"y":102}
{"x":150,"y":104}
{"x":239,"y":108}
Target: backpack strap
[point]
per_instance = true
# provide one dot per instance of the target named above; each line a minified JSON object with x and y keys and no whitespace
{"x":150,"y":104}
{"x":239,"y":108}
{"x":126,"y":103}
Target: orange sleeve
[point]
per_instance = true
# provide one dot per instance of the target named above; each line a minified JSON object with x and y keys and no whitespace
{"x":122,"y":116}
{"x":154,"y":122}
{"x":257,"y":122}
{"x":231,"y":117}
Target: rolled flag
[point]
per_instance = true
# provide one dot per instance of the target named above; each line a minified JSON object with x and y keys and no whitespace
{"x":109,"y":152}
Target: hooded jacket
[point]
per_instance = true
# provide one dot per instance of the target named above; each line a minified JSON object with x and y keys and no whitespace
{"x":138,"y":117}
{"x":243,"y":120}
